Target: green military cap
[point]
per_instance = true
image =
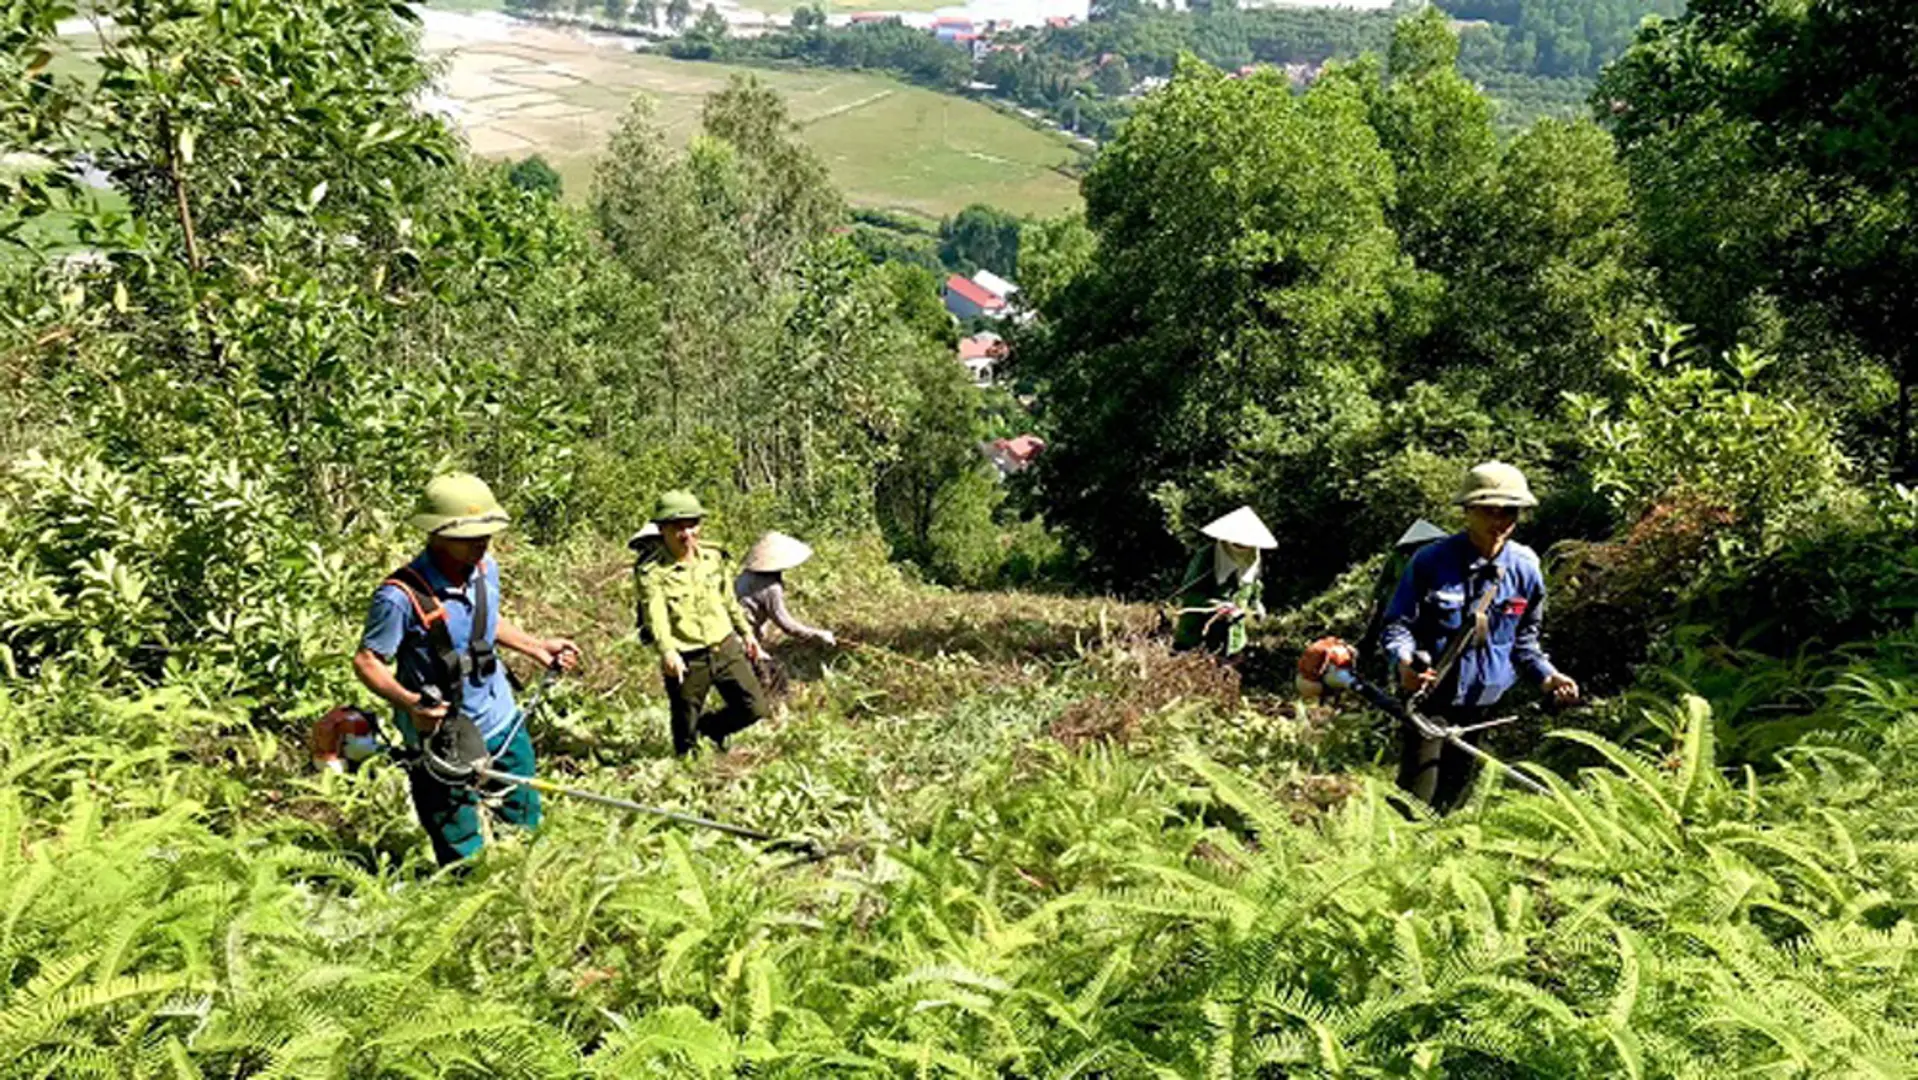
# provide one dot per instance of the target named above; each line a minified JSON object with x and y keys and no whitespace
{"x":459,"y":506}
{"x":678,"y":506}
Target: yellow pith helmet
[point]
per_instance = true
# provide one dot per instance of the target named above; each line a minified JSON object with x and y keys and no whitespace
{"x":1495,"y":484}
{"x":459,"y":506}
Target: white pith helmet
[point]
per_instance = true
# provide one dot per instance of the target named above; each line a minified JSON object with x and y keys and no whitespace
{"x":648,"y":531}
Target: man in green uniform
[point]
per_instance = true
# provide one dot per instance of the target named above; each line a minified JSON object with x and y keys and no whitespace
{"x":1223,"y":584}
{"x":701,"y":635}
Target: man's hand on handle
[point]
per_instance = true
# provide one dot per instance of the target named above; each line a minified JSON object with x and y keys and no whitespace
{"x":1415,"y":677}
{"x":1560,"y":685}
{"x":560,"y":653}
{"x":427,"y":716}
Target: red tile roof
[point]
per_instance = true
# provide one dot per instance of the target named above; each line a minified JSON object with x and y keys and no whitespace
{"x":1021,"y":448}
{"x":967,"y":289}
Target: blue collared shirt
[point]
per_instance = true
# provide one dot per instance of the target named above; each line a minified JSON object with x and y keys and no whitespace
{"x":393,"y":630}
{"x":1433,"y":604}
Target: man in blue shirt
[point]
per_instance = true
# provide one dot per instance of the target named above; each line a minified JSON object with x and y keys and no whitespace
{"x":453,"y":582}
{"x":1483,"y":587}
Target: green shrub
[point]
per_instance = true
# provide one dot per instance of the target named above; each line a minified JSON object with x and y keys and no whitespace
{"x":1682,"y":423}
{"x":190,"y":568}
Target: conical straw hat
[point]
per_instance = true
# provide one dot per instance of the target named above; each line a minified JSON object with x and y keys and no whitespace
{"x":1420,"y":533}
{"x":775,"y":552}
{"x":1242,"y":527}
{"x":646,"y":532}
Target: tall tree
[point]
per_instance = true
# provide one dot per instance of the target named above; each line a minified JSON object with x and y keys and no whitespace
{"x":779,"y":338}
{"x":1527,"y":253}
{"x":1772,"y":147}
{"x":532,"y":173}
{"x":981,"y":237}
{"x":1227,"y":333}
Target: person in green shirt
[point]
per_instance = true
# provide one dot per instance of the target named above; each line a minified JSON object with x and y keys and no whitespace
{"x":702,"y":637}
{"x":1222,"y":585}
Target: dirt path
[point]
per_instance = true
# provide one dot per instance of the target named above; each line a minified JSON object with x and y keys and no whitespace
{"x":847,"y":107}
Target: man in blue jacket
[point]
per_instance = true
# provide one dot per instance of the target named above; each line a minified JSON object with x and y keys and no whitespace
{"x":1484,"y":593}
{"x":438,"y":620}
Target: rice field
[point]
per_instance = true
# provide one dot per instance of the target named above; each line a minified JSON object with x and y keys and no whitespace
{"x":517,"y":89}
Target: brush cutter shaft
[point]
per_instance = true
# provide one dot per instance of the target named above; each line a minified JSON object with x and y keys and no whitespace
{"x":1340,"y":678}
{"x":549,"y":787}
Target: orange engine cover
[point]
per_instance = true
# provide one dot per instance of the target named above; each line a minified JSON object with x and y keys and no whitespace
{"x":1319,"y":657}
{"x":343,"y":734}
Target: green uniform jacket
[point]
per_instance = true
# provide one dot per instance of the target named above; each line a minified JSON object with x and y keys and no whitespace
{"x":1204,"y":590}
{"x":689,"y":605}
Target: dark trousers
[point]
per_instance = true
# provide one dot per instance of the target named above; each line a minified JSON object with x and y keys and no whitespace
{"x":1434,"y":769}
{"x":451,"y":815}
{"x":723,"y":667}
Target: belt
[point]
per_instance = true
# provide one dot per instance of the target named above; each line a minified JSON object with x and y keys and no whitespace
{"x":694,"y":654}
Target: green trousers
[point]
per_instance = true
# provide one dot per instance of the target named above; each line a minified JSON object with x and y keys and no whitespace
{"x":723,"y":667}
{"x":451,"y":815}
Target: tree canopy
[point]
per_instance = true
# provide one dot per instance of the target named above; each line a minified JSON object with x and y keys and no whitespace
{"x":1289,"y":291}
{"x":1771,"y":147}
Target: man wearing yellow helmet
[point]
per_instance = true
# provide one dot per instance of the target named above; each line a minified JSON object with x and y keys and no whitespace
{"x":1476,"y":598}
{"x":438,"y":617}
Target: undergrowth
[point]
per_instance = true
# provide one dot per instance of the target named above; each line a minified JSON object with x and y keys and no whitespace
{"x":1058,"y":850}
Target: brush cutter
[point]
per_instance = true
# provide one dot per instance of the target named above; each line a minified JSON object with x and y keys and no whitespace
{"x":349,"y":735}
{"x":1331,"y":664}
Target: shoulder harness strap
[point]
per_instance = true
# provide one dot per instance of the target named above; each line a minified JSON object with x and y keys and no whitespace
{"x":447,"y":668}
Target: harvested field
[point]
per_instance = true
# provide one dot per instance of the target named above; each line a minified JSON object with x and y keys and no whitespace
{"x":518,"y":89}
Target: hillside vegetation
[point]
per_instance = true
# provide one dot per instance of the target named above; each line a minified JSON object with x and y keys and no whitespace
{"x":1046,"y":846}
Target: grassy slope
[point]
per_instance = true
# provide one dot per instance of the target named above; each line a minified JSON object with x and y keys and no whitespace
{"x":888,"y":144}
{"x":1033,"y":877}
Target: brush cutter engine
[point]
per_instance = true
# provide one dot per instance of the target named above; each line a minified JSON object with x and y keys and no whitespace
{"x":1328,"y":663}
{"x":343,"y":738}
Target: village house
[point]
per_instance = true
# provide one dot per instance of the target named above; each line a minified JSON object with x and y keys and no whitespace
{"x":952,"y":28}
{"x":1014,"y":455}
{"x":981,"y":354}
{"x":995,"y":285}
{"x":966,"y":299}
